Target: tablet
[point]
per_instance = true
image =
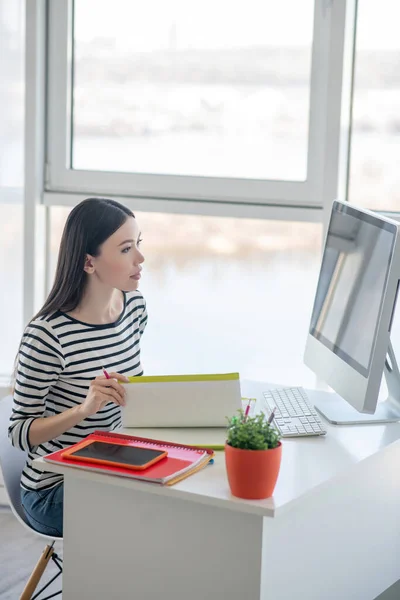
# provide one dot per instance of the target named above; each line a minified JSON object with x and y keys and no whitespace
{"x":115,"y":454}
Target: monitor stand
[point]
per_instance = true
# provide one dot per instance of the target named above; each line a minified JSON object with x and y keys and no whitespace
{"x":339,"y":412}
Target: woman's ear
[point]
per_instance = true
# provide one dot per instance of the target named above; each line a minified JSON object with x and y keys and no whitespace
{"x":89,"y":267}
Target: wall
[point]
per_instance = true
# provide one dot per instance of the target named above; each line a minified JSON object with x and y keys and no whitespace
{"x":12,"y":88}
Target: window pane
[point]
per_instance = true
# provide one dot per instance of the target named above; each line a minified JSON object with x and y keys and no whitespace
{"x":374,"y":172}
{"x":211,"y":88}
{"x":225,"y":294}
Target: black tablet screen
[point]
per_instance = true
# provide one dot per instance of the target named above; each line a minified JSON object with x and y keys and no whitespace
{"x":128,"y":455}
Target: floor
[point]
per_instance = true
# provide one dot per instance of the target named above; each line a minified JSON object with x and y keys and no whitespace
{"x":19,"y":552}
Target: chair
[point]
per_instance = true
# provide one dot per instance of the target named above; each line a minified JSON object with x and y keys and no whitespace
{"x":12,"y":462}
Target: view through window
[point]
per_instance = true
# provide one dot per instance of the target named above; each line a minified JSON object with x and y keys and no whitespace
{"x":374,"y":170}
{"x":210,"y":89}
{"x":224,"y":294}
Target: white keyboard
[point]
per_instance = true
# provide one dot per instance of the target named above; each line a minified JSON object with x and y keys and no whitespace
{"x":295,"y":416}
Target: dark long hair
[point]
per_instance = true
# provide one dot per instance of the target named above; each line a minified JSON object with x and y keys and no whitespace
{"x":89,"y":224}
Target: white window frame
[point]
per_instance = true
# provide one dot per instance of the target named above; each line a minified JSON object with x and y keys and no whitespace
{"x":205,"y":195}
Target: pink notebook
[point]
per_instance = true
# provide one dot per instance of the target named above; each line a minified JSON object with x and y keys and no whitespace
{"x":181,"y":461}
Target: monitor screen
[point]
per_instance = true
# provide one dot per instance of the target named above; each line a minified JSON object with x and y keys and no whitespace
{"x":351,"y":286}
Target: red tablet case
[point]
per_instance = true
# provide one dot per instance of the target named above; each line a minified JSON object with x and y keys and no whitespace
{"x":182,"y":460}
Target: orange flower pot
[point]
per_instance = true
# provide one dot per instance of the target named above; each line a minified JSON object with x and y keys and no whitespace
{"x":252,"y":474}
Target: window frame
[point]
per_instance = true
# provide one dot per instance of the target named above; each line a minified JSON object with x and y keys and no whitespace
{"x":204,"y":195}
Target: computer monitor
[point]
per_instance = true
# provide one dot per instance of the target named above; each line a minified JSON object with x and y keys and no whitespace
{"x":348,"y":344}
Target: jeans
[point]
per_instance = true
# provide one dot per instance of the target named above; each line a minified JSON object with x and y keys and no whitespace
{"x":44,"y":509}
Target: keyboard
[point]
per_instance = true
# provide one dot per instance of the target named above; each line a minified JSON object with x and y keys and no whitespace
{"x":295,"y":416}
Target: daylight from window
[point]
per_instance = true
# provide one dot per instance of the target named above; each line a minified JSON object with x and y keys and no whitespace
{"x":374,"y":172}
{"x":203,"y":94}
{"x":211,"y":89}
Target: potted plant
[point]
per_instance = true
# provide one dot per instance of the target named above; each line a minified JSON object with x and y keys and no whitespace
{"x":252,"y":455}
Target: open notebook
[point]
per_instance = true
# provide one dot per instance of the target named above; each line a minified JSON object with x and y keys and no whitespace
{"x":182,"y":460}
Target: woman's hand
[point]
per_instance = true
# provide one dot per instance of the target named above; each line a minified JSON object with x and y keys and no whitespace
{"x":101,"y":392}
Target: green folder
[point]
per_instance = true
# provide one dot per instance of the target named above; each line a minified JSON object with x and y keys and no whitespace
{"x":174,"y":378}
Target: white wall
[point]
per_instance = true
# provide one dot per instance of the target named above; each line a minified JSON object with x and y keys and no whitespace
{"x":12,"y":89}
{"x":3,"y":499}
{"x":12,"y":44}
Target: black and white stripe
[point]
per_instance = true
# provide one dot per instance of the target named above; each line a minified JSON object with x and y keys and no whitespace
{"x":58,"y":358}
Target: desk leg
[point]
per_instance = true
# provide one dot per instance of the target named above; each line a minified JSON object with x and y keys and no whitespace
{"x":124,"y":543}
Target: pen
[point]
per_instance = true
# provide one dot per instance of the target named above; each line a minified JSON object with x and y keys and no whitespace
{"x":247,"y":410}
{"x":271,"y":416}
{"x":107,"y":376}
{"x":248,"y":407}
{"x":105,"y":373}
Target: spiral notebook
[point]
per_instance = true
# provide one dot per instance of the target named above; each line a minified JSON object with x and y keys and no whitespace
{"x":182,"y":460}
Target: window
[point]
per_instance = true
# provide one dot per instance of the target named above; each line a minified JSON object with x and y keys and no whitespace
{"x":209,"y":89}
{"x":243,"y":288}
{"x":215,"y":103}
{"x":375,"y":143}
{"x":253,"y":131}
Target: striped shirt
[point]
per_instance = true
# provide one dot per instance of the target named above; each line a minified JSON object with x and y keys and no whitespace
{"x":58,"y":358}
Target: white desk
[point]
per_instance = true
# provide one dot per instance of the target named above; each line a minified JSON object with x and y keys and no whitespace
{"x":332,"y":529}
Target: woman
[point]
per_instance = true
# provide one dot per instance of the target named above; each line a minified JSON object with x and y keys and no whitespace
{"x":93,"y":318}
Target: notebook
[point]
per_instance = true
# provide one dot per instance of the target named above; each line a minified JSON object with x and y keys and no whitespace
{"x":181,"y":400}
{"x":213,"y":438}
{"x":182,"y":460}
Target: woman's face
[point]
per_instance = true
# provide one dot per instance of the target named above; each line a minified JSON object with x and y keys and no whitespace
{"x":119,"y":262}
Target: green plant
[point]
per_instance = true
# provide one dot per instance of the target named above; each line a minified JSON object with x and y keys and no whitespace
{"x":252,"y":433}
